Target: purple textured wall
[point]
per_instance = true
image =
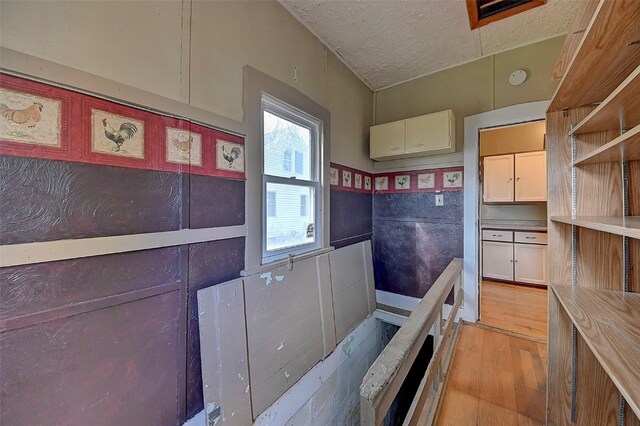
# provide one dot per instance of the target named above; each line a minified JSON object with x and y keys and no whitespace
{"x":350,"y":217}
{"x":108,"y":339}
{"x":413,"y":240}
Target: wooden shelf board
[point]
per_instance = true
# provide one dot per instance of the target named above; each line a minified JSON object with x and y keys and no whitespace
{"x":625,"y":100}
{"x":624,"y":147}
{"x":608,"y":322}
{"x":579,"y":26}
{"x":604,"y":58}
{"x":627,"y":226}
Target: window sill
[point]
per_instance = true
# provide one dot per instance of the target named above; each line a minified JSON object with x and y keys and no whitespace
{"x":284,"y":262}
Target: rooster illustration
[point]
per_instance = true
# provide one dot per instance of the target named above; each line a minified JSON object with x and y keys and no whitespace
{"x":453,"y":178}
{"x":183,"y":145}
{"x":22,"y":119}
{"x":127,"y":131}
{"x":232,"y":155}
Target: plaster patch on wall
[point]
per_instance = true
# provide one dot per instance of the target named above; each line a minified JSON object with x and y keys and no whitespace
{"x":346,"y":346}
{"x":279,"y":278}
{"x":281,"y":346}
{"x":213,"y":414}
{"x":267,"y":277}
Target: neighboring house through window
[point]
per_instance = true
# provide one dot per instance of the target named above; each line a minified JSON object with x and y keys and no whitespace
{"x":290,"y":143}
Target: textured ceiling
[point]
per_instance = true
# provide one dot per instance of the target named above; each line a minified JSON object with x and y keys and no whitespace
{"x":386,"y":42}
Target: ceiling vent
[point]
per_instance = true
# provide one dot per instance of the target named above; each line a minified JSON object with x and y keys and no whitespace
{"x":483,"y":12}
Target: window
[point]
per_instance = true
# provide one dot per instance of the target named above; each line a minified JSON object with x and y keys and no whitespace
{"x":299,"y":163}
{"x":271,"y":204}
{"x":303,"y":205}
{"x":286,"y":160}
{"x":289,"y":136}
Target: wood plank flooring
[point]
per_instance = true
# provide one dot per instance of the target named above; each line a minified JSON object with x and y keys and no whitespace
{"x":518,"y":309}
{"x":495,"y":379}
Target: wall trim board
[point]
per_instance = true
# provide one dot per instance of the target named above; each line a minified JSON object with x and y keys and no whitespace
{"x":408,"y":303}
{"x":390,"y":317}
{"x":28,"y":66}
{"x":49,"y":251}
{"x":27,"y":320}
{"x":521,"y":113}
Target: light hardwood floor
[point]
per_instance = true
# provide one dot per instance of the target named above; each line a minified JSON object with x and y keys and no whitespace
{"x":495,"y":379}
{"x":515,"y":308}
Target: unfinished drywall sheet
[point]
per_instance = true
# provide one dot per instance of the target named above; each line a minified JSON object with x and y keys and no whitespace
{"x":225,"y":369}
{"x":286,"y":331}
{"x":352,"y":286}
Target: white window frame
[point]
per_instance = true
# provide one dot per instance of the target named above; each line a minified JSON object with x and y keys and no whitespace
{"x":316,"y":172}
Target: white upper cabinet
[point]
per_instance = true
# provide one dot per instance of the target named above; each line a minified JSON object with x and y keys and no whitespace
{"x":531,"y":176}
{"x":498,"y":179}
{"x":519,"y":178}
{"x":429,"y":134}
{"x":388,"y":139}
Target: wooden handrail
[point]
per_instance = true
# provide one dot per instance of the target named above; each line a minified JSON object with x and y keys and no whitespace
{"x":387,"y":374}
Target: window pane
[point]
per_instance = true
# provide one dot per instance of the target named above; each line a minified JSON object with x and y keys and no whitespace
{"x":288,"y":227}
{"x":271,"y":204}
{"x":303,"y":205}
{"x":282,"y":138}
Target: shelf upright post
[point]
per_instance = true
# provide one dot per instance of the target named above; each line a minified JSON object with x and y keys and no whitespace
{"x":574,"y":271}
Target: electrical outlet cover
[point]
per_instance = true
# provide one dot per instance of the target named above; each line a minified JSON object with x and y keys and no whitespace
{"x":439,"y":199}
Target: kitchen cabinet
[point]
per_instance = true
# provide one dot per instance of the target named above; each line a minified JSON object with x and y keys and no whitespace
{"x":531,"y":176}
{"x":518,"y":256}
{"x":388,"y":139}
{"x":515,"y":178}
{"x":497,"y":260}
{"x":429,"y":134}
{"x":498,"y":179}
{"x":530,"y":263}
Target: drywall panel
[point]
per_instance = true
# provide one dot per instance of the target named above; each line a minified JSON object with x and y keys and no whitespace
{"x":475,"y":87}
{"x":134,"y":42}
{"x":284,"y":329}
{"x":538,"y":60}
{"x":223,"y":342}
{"x":351,"y":285}
{"x":465,"y":89}
{"x":228,"y":35}
{"x":351,"y":106}
{"x":512,"y":139}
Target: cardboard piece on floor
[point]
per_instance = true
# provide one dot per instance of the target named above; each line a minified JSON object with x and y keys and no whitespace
{"x":223,"y":343}
{"x":352,"y":286}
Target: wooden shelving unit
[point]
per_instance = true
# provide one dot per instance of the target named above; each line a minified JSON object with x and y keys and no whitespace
{"x":606,"y":116}
{"x":605,"y":320}
{"x":605,"y":56}
{"x":593,"y":149}
{"x":626,"y":226}
{"x":625,"y":147}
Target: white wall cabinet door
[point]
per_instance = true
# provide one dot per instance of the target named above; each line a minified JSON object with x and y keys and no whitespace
{"x":530,"y":263}
{"x":388,"y":139}
{"x":431,"y":133}
{"x":497,"y":260}
{"x":531,"y":176}
{"x":498,"y":179}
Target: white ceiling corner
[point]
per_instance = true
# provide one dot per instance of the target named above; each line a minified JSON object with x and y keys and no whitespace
{"x":386,"y":42}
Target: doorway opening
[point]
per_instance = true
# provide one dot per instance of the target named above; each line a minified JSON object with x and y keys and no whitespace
{"x":513,"y":214}
{"x":506,"y":219}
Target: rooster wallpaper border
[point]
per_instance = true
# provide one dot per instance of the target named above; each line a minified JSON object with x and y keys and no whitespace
{"x":147,"y":129}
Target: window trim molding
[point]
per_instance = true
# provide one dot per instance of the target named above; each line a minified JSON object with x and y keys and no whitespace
{"x":255,"y":85}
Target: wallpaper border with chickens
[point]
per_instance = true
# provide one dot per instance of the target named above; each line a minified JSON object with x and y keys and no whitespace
{"x":346,"y":178}
{"x":425,"y":180}
{"x":39,"y":120}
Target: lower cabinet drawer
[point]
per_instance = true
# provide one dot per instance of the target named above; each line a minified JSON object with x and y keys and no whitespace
{"x":531,"y":237}
{"x":497,"y":235}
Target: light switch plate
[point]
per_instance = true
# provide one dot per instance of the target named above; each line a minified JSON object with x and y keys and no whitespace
{"x":439,"y":199}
